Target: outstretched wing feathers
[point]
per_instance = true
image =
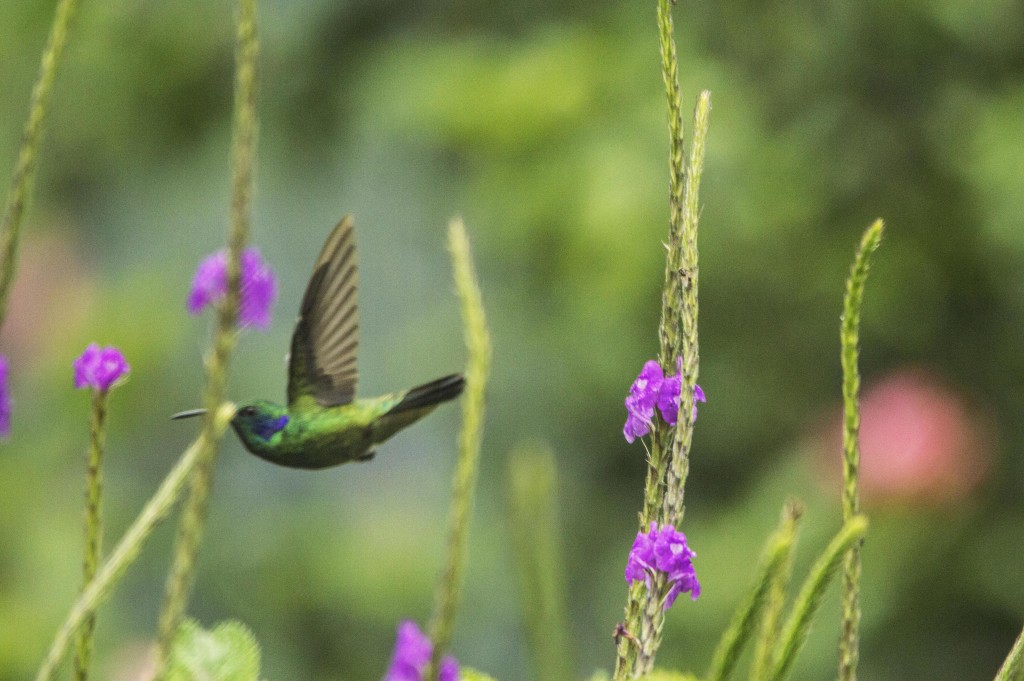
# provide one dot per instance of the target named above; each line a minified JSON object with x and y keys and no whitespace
{"x":326,"y":337}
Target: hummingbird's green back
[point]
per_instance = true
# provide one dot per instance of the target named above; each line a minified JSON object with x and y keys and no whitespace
{"x":328,"y":436}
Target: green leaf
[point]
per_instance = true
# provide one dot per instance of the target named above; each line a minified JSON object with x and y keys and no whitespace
{"x":470,"y":674}
{"x":228,"y":653}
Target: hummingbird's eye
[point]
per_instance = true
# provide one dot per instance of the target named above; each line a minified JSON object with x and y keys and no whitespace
{"x":247,"y":411}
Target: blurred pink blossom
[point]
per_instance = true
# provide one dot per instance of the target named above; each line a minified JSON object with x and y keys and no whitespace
{"x":920,"y":443}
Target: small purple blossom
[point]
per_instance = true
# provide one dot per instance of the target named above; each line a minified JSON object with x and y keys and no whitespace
{"x":5,"y":399}
{"x":100,"y":368}
{"x":663,"y":550}
{"x":653,"y":389}
{"x":258,"y":287}
{"x":412,"y":655}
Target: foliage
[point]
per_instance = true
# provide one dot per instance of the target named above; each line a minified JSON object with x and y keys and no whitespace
{"x":228,"y":652}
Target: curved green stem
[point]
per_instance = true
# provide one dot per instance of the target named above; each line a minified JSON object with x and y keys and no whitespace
{"x":775,"y":557}
{"x":824,"y":570}
{"x":25,"y":168}
{"x":127,"y":550}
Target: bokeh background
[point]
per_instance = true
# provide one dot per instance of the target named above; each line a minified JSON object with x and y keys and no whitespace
{"x":543,"y":124}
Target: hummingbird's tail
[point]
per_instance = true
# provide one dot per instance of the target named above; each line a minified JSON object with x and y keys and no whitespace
{"x":430,"y":394}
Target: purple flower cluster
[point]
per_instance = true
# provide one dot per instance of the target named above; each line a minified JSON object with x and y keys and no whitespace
{"x":100,"y":368}
{"x":258,"y":287}
{"x":663,"y":550}
{"x":653,"y":389}
{"x":412,"y":654}
{"x":5,"y":399}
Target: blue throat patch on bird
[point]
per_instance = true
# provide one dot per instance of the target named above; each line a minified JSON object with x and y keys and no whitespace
{"x":266,"y":428}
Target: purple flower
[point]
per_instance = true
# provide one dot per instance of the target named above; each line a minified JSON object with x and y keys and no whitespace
{"x":100,"y":368}
{"x":643,"y":396}
{"x":5,"y":399}
{"x":663,"y":550}
{"x":651,"y":388}
{"x":412,"y":655}
{"x":258,"y":287}
{"x":668,"y":399}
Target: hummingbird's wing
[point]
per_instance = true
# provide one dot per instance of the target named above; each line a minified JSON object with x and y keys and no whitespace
{"x":323,"y":354}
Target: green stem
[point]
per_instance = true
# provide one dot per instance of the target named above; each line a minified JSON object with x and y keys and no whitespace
{"x":478,"y":364}
{"x":768,"y":636}
{"x":849,"y":340}
{"x":824,"y":570}
{"x":686,"y":288}
{"x":777,"y":553}
{"x":668,"y":464}
{"x":668,"y":330}
{"x":93,"y":525}
{"x":190,"y":530}
{"x":25,"y":167}
{"x":127,"y":550}
{"x":1013,"y":666}
{"x":533,"y":524}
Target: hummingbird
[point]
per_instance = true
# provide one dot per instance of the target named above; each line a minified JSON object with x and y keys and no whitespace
{"x":323,"y":423}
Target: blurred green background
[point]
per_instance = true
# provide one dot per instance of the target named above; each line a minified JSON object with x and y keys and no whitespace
{"x":543,"y":124}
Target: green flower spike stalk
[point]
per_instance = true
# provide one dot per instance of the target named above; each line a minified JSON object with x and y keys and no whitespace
{"x":685,"y":277}
{"x":25,"y":168}
{"x":771,"y":615}
{"x":128,"y":549}
{"x":478,"y":366}
{"x":668,"y":463}
{"x":849,"y":338}
{"x":775,"y":559}
{"x":243,"y":154}
{"x":100,"y":370}
{"x":533,"y":523}
{"x":824,"y":570}
{"x":93,"y":526}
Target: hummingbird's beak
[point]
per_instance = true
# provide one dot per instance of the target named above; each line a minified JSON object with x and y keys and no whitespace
{"x":188,"y":414}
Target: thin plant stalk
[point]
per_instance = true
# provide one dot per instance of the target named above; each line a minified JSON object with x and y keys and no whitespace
{"x":93,"y":525}
{"x":533,"y":524}
{"x":28,"y":153}
{"x":128,"y":549}
{"x":1013,"y":666}
{"x":771,"y":616}
{"x":849,"y":339}
{"x":668,"y":456}
{"x":679,"y":461}
{"x":478,"y":364}
{"x":668,"y":329}
{"x":808,"y":600}
{"x":776,"y":555}
{"x":243,"y":153}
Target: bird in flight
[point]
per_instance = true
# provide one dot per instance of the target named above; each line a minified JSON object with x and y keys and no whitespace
{"x":323,"y":423}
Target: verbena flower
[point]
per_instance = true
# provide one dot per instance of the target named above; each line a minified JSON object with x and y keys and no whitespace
{"x":100,"y":368}
{"x":412,"y":655}
{"x":258,"y":287}
{"x":652,"y":389}
{"x":663,"y":550}
{"x":5,"y":399}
